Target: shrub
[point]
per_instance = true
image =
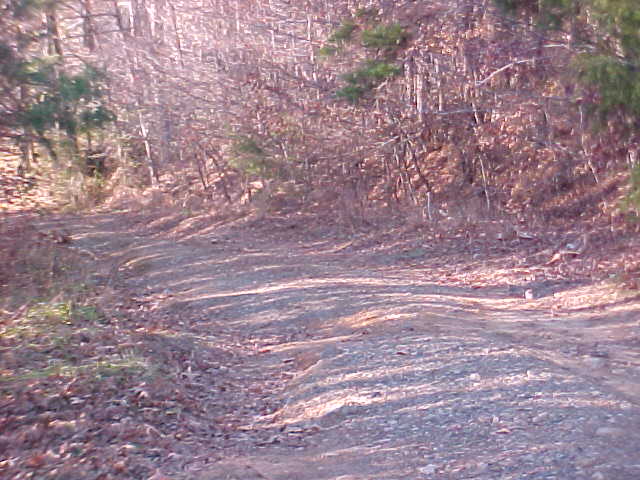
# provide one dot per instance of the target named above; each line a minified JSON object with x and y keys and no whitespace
{"x":618,"y":84}
{"x":343,"y":33}
{"x":246,"y":145}
{"x":327,"y":51}
{"x":384,"y":36}
{"x":632,"y":201}
{"x":371,"y":74}
{"x":248,"y":156}
{"x":351,"y":93}
{"x":549,"y":13}
{"x":367,"y":13}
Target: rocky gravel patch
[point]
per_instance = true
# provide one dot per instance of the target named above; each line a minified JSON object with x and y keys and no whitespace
{"x":451,"y":408}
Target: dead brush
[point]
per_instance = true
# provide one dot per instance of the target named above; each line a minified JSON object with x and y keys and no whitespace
{"x":47,"y":306}
{"x":35,"y":265}
{"x":73,"y":372}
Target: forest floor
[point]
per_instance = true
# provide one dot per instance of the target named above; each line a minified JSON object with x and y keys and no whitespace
{"x":278,"y":349}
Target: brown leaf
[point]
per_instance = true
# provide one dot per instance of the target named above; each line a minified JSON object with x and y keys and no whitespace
{"x":158,"y":475}
{"x":35,"y":461}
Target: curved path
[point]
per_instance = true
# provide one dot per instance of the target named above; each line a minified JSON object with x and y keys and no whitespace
{"x":347,"y":365}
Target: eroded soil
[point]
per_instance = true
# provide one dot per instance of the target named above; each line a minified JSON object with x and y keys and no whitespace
{"x":351,"y":358}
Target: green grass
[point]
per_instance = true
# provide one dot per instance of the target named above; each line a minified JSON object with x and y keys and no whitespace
{"x":57,"y":339}
{"x":123,"y":367}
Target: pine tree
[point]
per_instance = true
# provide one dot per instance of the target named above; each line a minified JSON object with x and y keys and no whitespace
{"x":610,"y":65}
{"x":40,"y":94}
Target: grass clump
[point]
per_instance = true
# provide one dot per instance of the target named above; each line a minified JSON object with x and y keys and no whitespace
{"x":67,"y":313}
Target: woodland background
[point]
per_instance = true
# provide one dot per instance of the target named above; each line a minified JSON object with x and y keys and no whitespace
{"x":439,"y":111}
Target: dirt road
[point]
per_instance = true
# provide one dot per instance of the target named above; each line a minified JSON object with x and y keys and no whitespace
{"x":353,"y":363}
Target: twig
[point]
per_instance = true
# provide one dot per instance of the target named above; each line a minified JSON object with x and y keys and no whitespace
{"x":429,"y":207}
{"x":502,"y":69}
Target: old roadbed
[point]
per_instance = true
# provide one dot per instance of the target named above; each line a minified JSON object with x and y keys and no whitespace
{"x":348,"y":362}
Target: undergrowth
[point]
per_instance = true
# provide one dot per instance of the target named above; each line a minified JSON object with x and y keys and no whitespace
{"x":50,"y":313}
{"x":69,"y":368}
{"x":631,"y":204}
{"x":365,"y":78}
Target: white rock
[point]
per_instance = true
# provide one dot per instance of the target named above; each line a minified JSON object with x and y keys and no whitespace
{"x":428,"y":470}
{"x":609,"y":432}
{"x":585,"y":462}
{"x":594,"y":362}
{"x":541,"y":418}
